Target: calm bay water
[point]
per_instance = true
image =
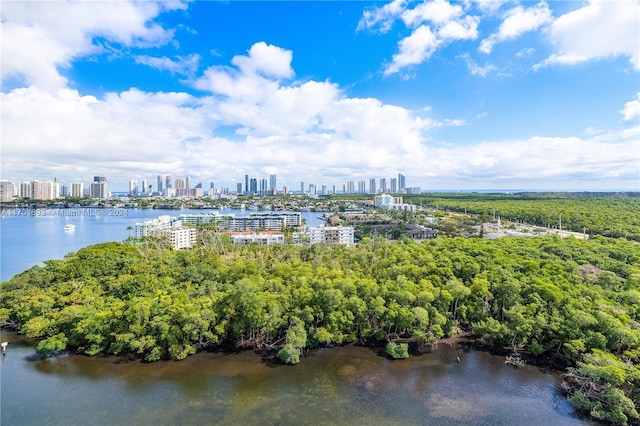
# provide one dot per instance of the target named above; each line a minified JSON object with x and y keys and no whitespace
{"x":338,"y":386}
{"x":345,"y":385}
{"x":27,"y":240}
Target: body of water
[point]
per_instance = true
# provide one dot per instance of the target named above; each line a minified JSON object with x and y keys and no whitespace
{"x":347,"y":385}
{"x":30,"y":236}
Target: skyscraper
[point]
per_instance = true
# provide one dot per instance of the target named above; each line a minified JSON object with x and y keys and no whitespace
{"x":6,"y":191}
{"x":77,"y":189}
{"x":168,"y":182}
{"x":253,"y":186}
{"x":187,"y":182}
{"x":246,"y":184}
{"x":372,"y":186}
{"x":133,"y":187}
{"x":160,"y":179}
{"x":144,"y":186}
{"x":99,"y":188}
{"x":394,"y":186}
{"x":263,"y":187}
{"x":272,"y":182}
{"x":383,"y":185}
{"x":402,"y":184}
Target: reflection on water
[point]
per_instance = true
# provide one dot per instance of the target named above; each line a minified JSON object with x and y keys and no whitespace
{"x":345,"y":385}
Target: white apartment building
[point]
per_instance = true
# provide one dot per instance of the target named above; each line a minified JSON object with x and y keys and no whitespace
{"x":179,"y":237}
{"x":330,"y":235}
{"x":7,"y":190}
{"x":146,"y":228}
{"x":170,"y":228}
{"x":389,"y":202}
{"x":260,"y":238}
{"x":77,"y":189}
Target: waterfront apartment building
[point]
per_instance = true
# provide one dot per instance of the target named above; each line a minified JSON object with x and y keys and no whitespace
{"x":7,"y":191}
{"x":77,"y":189}
{"x":43,"y":190}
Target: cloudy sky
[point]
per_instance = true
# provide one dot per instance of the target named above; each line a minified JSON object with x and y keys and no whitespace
{"x":489,"y":94}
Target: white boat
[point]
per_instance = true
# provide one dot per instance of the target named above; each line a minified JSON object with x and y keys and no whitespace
{"x":69,"y":227}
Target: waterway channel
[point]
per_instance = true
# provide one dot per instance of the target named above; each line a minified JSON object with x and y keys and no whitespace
{"x":347,"y":385}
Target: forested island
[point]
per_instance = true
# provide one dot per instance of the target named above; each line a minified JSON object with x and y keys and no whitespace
{"x":571,"y":300}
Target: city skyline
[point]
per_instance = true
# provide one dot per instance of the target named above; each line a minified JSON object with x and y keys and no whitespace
{"x":469,"y":95}
{"x":181,"y":187}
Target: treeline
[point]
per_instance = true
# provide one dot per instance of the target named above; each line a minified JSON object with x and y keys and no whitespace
{"x":563,"y":297}
{"x":614,"y":215}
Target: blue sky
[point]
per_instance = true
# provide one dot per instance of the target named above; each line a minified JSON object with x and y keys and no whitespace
{"x":455,"y":95}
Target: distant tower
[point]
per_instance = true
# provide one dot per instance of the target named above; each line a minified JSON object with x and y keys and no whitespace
{"x":160,"y":179}
{"x":168,"y":182}
{"x":133,"y":187}
{"x":187,"y":182}
{"x":272,"y":182}
{"x":402,"y":183}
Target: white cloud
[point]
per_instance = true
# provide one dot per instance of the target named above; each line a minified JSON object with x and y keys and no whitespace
{"x":475,"y":69}
{"x":518,"y":21}
{"x":439,"y":12}
{"x":187,"y":65}
{"x":39,"y":38}
{"x":631,"y":110}
{"x":601,"y":29}
{"x":543,"y":162}
{"x":414,"y":49}
{"x":382,"y":17}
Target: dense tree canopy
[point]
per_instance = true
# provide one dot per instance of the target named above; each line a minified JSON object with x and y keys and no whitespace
{"x":612,"y":215}
{"x":572,"y":298}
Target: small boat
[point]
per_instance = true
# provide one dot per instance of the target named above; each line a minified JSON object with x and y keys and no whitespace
{"x":69,"y":227}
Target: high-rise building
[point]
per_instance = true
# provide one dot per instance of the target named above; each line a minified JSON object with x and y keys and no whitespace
{"x":402,"y":184}
{"x":372,"y":186}
{"x":246,"y":184}
{"x":144,"y":186}
{"x":133,"y":187}
{"x":351,"y":187}
{"x":302,"y":187}
{"x":179,"y":184}
{"x":7,"y":189}
{"x":187,"y":182}
{"x":98,"y":189}
{"x":64,"y":191}
{"x":168,"y":182}
{"x":324,"y":189}
{"x":25,"y":190}
{"x":160,"y":179}
{"x":263,"y":187}
{"x":394,"y":186}
{"x":253,"y":186}
{"x":77,"y":189}
{"x":272,"y":183}
{"x":362,"y":186}
{"x":239,"y":188}
{"x":99,"y":179}
{"x":44,"y":190}
{"x":383,"y":185}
